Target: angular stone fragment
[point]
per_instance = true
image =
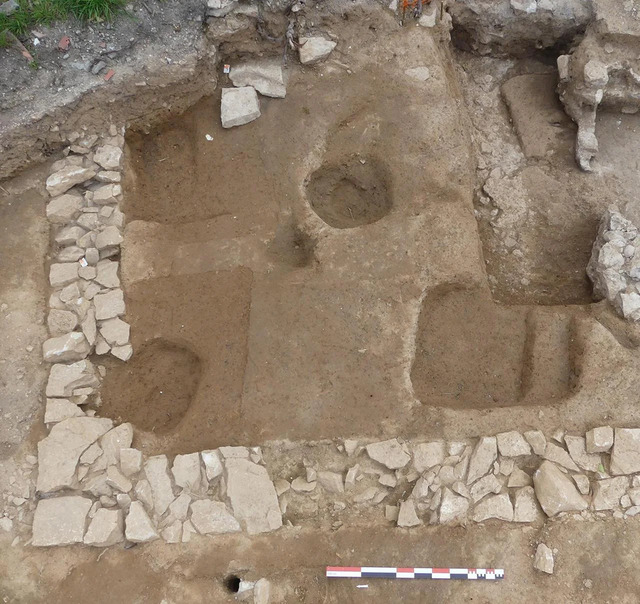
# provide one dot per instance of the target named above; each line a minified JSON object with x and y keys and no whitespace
{"x":123,"y":353}
{"x":212,"y":463}
{"x":239,"y":106}
{"x":173,"y":533}
{"x":265,"y":75}
{"x":582,"y":482}
{"x":180,"y":506}
{"x":143,"y":492}
{"x":519,"y":478}
{"x":453,"y":509}
{"x":63,"y":209}
{"x":114,"y":441}
{"x":526,"y":506}
{"x":560,"y":456}
{"x":60,"y":322}
{"x":73,"y":253}
{"x":115,"y":331}
{"x":252,"y":495}
{"x":72,"y":346}
{"x":544,"y":559}
{"x":497,"y":506}
{"x":63,"y":273}
{"x":156,"y":469}
{"x":105,"y":528}
{"x":108,"y":273}
{"x":187,"y":472}
{"x":314,"y":49}
{"x":599,"y":440}
{"x":512,"y":444}
{"x":607,"y":493}
{"x":139,"y":528}
{"x":485,"y":485}
{"x":427,"y":455}
{"x":108,"y":176}
{"x":625,"y":457}
{"x":389,"y":453}
{"x":89,"y":328}
{"x":421,"y":73}
{"x":59,"y":409}
{"x":482,"y":458}
{"x":555,"y":491}
{"x":537,"y":441}
{"x":62,"y":180}
{"x":60,"y":521}
{"x":578,"y":452}
{"x":109,"y":237}
{"x":69,"y":235}
{"x":130,"y":461}
{"x":212,"y":517}
{"x":109,"y":305}
{"x":331,"y":482}
{"x":108,"y":157}
{"x":407,"y":516}
{"x":262,"y":592}
{"x":116,"y":480}
{"x":59,"y":452}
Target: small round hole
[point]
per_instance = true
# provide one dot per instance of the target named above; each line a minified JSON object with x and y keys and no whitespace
{"x":232,"y":583}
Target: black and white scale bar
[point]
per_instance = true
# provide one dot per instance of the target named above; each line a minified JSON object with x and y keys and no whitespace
{"x":388,"y":572}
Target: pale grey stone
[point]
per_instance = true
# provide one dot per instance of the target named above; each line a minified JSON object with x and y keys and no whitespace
{"x":599,"y":440}
{"x":109,"y":237}
{"x":524,"y":6}
{"x":519,"y":478}
{"x":582,"y":482}
{"x":111,"y":176}
{"x":453,"y":509}
{"x":59,"y":409}
{"x":60,"y":322}
{"x":115,"y":331}
{"x":526,"y":506}
{"x":114,"y":441}
{"x":108,"y":273}
{"x":143,"y":492}
{"x":625,"y":457}
{"x":91,"y":454}
{"x":73,"y":253}
{"x":252,"y":495}
{"x":331,"y":482}
{"x":555,"y":491}
{"x":314,"y":49}
{"x":62,"y":180}
{"x":71,"y":346}
{"x":512,"y":444}
{"x":117,"y":480}
{"x":89,"y":327}
{"x":421,"y":73}
{"x":389,"y":453}
{"x":537,"y":441}
{"x":173,"y":533}
{"x":156,"y":469}
{"x":485,"y":485}
{"x":239,"y":106}
{"x":482,"y":458}
{"x":108,"y":156}
{"x":559,"y":456}
{"x":607,"y":493}
{"x":262,"y":592}
{"x":138,"y":525}
{"x":60,"y":521}
{"x":407,"y":516}
{"x":234,"y":452}
{"x":130,"y":461}
{"x":180,"y":506}
{"x":105,"y":528}
{"x":213,"y":517}
{"x":265,"y":75}
{"x":496,"y":506}
{"x":63,"y":273}
{"x":69,"y":235}
{"x":187,"y":472}
{"x":544,"y":559}
{"x":427,"y":455}
{"x":212,"y":463}
{"x":109,"y":304}
{"x":63,"y":209}
{"x":578,"y":452}
{"x":123,"y":353}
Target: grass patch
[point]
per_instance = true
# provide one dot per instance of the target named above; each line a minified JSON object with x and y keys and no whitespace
{"x":31,"y":13}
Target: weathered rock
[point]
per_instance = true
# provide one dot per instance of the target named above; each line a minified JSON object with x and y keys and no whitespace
{"x":180,"y":506}
{"x":60,"y":521}
{"x":544,"y":559}
{"x":138,"y":526}
{"x":252,"y":495}
{"x":537,"y":441}
{"x":116,"y":480}
{"x":123,"y":353}
{"x":453,"y":509}
{"x":63,"y":209}
{"x":607,"y":493}
{"x":407,"y":516}
{"x":91,"y":454}
{"x":108,"y":156}
{"x":578,"y":452}
{"x":105,"y":528}
{"x":107,"y":273}
{"x":59,"y":452}
{"x":526,"y":506}
{"x":519,"y":478}
{"x":482,"y":458}
{"x":109,"y":237}
{"x":427,"y":455}
{"x":555,"y":491}
{"x":234,"y":452}
{"x":62,"y":180}
{"x":625,"y":457}
{"x":115,"y":331}
{"x":60,"y":322}
{"x":114,"y":441}
{"x":485,"y":485}
{"x":63,"y":273}
{"x":65,"y":379}
{"x":420,"y":73}
{"x":315,"y":49}
{"x":59,"y":409}
{"x":220,"y":8}
{"x":331,"y":482}
{"x":582,"y":482}
{"x":599,"y":440}
{"x":239,"y":106}
{"x":108,"y":176}
{"x":109,"y":305}
{"x":72,"y":346}
{"x":212,"y":463}
{"x":89,"y":327}
{"x":559,"y":456}
{"x":389,"y":453}
{"x":73,"y":253}
{"x":156,"y":469}
{"x":144,"y":493}
{"x":512,"y":444}
{"x":173,"y":533}
{"x":212,"y":517}
{"x":130,"y":461}
{"x":497,"y":506}
{"x":266,"y":76}
{"x":262,"y":592}
{"x":187,"y":472}
{"x":69,"y":235}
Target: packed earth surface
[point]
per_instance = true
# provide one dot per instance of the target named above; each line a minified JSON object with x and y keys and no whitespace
{"x":290,"y":285}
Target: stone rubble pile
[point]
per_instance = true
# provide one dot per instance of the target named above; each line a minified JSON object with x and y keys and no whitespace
{"x":614,"y":267}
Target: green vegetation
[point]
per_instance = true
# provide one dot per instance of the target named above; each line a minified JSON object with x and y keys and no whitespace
{"x":31,"y":13}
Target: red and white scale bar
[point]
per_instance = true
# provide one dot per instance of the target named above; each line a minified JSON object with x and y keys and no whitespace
{"x":384,"y":572}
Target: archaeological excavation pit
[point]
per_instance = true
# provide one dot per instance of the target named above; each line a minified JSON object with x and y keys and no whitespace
{"x":301,"y":285}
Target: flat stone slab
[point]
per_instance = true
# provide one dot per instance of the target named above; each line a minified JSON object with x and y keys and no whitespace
{"x":212,"y":517}
{"x":239,"y":106}
{"x":266,"y":76}
{"x":60,"y":521}
{"x":315,"y":49}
